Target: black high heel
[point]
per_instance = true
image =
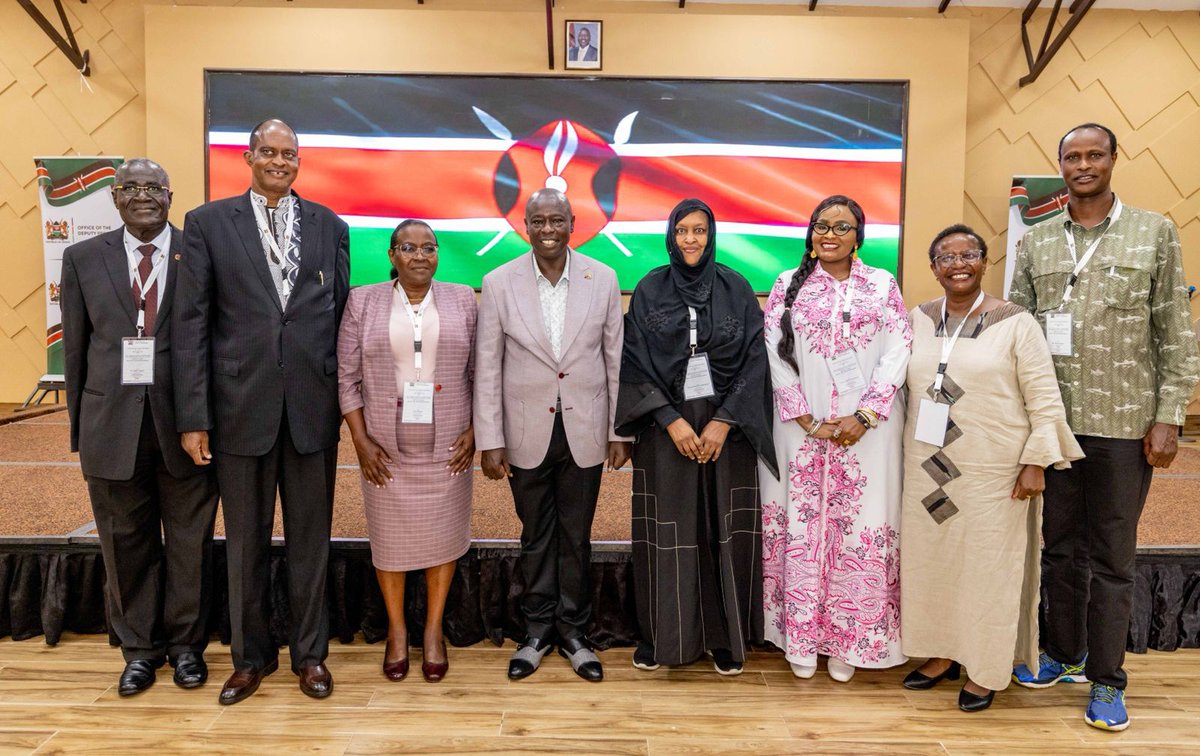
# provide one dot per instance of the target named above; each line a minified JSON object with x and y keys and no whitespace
{"x":918,"y":681}
{"x":968,"y":701}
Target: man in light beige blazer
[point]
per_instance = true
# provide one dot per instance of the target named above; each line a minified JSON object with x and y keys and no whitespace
{"x":547,"y":362}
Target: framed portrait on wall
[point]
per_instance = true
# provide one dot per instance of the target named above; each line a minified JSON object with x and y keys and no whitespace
{"x":584,"y":45}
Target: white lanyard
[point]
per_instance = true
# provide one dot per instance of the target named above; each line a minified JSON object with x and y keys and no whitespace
{"x":948,"y":343}
{"x":415,"y":317}
{"x":1080,"y":264}
{"x":264,"y":227}
{"x":145,"y":286}
{"x":847,"y":304}
{"x":692,"y":322}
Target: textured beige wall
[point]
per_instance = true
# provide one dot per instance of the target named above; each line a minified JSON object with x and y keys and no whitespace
{"x":1139,"y":72}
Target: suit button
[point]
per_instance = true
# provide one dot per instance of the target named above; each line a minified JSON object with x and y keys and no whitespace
{"x":281,"y":363}
{"x":551,"y":410}
{"x":142,"y":396}
{"x":561,"y":376}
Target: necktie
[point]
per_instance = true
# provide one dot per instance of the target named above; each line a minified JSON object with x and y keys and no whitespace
{"x":145,"y":266}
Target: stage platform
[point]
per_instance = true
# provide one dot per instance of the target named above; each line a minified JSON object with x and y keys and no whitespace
{"x":51,"y":578}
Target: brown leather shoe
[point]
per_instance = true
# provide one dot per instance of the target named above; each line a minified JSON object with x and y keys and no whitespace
{"x":315,"y":680}
{"x":243,"y":682}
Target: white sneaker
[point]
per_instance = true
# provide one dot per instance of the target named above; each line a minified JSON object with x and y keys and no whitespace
{"x":840,"y":670}
{"x":803,"y":671}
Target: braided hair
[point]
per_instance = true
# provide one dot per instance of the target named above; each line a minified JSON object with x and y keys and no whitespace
{"x":787,"y":340}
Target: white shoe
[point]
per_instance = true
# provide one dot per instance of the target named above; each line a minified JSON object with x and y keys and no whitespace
{"x":840,"y":670}
{"x":803,"y":671}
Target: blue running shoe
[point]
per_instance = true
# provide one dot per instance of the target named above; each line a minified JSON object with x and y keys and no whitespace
{"x":1049,"y":673}
{"x":1107,"y":708}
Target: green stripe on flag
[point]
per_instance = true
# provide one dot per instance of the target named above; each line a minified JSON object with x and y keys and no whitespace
{"x":760,"y":258}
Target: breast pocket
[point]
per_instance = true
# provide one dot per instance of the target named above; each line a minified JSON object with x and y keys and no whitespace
{"x":1049,"y":288}
{"x":1125,"y":287}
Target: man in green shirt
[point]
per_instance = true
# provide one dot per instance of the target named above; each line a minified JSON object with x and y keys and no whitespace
{"x":1105,"y":281}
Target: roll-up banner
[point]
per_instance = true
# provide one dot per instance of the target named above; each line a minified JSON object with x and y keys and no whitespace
{"x":76,"y":204}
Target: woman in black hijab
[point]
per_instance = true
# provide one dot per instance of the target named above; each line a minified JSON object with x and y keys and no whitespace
{"x":695,"y":392}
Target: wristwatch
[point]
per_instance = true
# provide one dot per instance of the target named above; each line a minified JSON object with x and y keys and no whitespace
{"x":868,"y":419}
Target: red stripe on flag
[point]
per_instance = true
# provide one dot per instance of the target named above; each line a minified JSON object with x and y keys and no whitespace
{"x":454,"y":184}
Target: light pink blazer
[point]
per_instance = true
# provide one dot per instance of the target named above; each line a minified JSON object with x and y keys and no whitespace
{"x":367,"y":373}
{"x":517,"y":377}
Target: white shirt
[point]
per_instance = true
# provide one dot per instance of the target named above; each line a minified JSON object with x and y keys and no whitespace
{"x":554,"y":303}
{"x":133,"y":256}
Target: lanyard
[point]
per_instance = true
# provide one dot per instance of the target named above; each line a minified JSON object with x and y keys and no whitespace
{"x":415,"y":317}
{"x":847,"y":304}
{"x":1080,"y":264}
{"x":948,"y":343}
{"x":147,"y":285}
{"x":269,"y":233}
{"x":692,"y":328}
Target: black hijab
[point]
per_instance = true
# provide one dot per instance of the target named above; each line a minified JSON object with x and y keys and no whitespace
{"x":729,"y":331}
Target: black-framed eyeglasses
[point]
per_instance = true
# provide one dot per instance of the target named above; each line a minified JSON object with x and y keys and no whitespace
{"x":945,"y":261}
{"x":412,"y":250}
{"x":132,"y":190}
{"x":841,"y":228}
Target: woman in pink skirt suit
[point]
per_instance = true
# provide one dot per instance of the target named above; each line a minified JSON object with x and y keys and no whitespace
{"x":405,"y":374}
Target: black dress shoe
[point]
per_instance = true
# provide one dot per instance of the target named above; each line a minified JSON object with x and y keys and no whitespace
{"x":968,"y":701}
{"x":190,"y":670}
{"x":583,"y":661}
{"x":138,"y":676}
{"x":243,"y":682}
{"x":918,"y":681}
{"x":527,"y":658}
{"x":315,"y":680}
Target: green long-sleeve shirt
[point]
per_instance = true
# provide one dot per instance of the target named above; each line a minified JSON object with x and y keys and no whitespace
{"x":1135,"y":359}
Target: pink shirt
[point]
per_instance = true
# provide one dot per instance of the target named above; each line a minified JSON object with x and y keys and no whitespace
{"x":400,"y":332}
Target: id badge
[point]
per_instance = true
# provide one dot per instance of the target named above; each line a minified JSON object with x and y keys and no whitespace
{"x":418,"y":403}
{"x":932,"y":420}
{"x":1058,"y":333}
{"x":697,"y":383}
{"x":847,"y":376}
{"x":137,"y":361}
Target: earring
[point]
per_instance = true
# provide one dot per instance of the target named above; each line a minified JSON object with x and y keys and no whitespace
{"x":812,"y":253}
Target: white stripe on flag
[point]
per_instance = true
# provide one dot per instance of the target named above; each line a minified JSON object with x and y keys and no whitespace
{"x":682,"y":149}
{"x":496,"y":225}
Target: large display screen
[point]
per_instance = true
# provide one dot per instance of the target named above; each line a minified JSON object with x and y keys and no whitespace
{"x":465,"y":153}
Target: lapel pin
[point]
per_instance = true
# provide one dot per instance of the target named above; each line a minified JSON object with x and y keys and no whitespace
{"x":178,"y":256}
{"x":588,"y":275}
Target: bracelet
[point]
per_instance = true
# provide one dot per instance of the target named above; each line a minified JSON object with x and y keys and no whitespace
{"x":812,"y":429}
{"x":868,"y":418}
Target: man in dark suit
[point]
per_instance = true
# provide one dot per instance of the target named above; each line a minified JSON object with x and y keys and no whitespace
{"x":120,"y":404}
{"x":262,"y":285}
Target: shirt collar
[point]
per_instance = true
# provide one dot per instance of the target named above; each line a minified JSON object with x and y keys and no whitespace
{"x":162,"y":242}
{"x":261,"y":201}
{"x":1115,"y":210}
{"x":566,"y":274}
{"x":858,"y":272}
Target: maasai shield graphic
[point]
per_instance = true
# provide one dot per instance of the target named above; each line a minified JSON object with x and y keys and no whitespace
{"x":566,"y":156}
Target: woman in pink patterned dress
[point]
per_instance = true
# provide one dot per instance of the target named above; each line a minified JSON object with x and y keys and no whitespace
{"x":838,"y":343}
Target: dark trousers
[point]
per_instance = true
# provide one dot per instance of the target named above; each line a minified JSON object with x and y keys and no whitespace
{"x":556,"y":502}
{"x":1090,"y":528}
{"x":248,"y":485}
{"x":157,"y":594}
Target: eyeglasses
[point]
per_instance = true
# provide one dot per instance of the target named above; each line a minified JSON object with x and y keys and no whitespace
{"x":945,"y":261}
{"x":132,"y":190}
{"x":841,"y":228}
{"x":412,"y":250}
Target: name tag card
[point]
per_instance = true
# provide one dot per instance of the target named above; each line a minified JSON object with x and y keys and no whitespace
{"x":1058,"y":333}
{"x":418,"y":403}
{"x":846,"y":374}
{"x":137,"y":361}
{"x":697,"y":383}
{"x":932,"y":420}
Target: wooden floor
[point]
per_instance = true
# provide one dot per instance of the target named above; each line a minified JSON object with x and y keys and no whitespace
{"x":64,"y":700}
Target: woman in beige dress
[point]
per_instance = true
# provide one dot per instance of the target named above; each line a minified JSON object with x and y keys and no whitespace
{"x":405,"y":379}
{"x":977,"y":441}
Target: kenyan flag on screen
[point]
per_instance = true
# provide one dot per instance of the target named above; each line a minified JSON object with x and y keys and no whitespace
{"x":464,"y":153}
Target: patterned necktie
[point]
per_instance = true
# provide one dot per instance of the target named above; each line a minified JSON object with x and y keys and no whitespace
{"x":145,"y":266}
